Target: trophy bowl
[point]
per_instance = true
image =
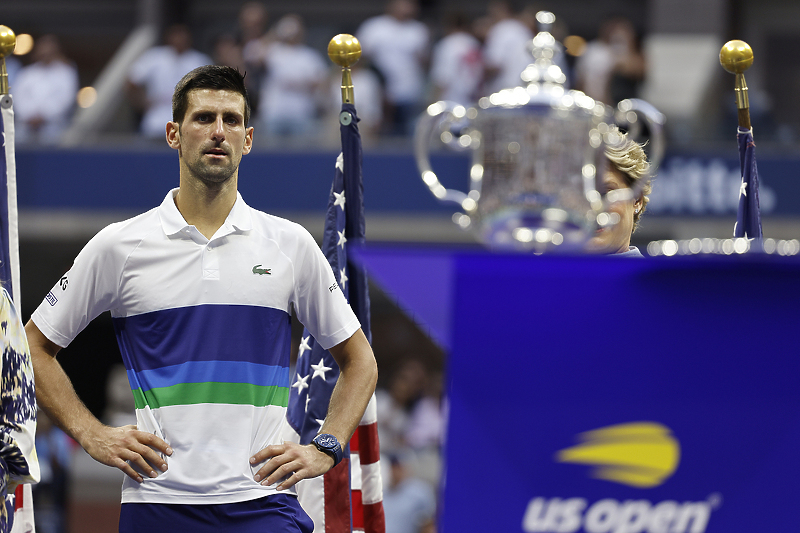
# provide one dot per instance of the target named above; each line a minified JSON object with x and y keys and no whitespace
{"x":537,"y":155}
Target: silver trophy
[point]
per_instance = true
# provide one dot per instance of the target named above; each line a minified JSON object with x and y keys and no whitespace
{"x":537,"y":153}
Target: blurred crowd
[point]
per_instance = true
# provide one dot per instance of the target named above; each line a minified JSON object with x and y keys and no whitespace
{"x":411,"y":428}
{"x":406,"y":64}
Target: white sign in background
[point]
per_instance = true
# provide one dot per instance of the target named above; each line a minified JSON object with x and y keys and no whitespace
{"x":701,"y":186}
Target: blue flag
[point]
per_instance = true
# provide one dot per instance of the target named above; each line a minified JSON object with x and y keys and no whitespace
{"x":748,"y":219}
{"x":344,"y":227}
{"x":339,"y":502}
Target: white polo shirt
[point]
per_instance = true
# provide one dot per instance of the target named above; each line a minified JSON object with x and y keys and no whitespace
{"x":204,"y":330}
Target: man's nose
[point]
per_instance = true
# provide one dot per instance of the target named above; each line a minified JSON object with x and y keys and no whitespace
{"x":218,"y":134}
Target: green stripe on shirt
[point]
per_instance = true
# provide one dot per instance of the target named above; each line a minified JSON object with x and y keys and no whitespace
{"x":212,"y":392}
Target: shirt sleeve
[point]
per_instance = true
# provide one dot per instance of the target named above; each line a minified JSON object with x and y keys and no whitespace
{"x":318,"y":300}
{"x":18,"y":460}
{"x":89,"y":288}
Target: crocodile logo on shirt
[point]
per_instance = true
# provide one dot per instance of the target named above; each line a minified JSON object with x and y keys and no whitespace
{"x":261,"y":271}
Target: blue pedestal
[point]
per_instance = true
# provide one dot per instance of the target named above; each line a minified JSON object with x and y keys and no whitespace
{"x":689,"y":366}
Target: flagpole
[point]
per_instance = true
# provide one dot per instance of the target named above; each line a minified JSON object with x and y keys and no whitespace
{"x":345,"y":51}
{"x":7,"y":43}
{"x":736,"y":57}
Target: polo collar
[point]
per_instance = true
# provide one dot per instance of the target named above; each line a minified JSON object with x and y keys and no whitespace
{"x":172,"y":222}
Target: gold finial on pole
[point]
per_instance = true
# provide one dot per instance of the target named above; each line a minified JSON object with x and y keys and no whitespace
{"x":345,"y":51}
{"x":7,"y":43}
{"x":736,"y":57}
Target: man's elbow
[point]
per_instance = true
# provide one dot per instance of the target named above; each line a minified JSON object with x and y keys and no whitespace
{"x":39,"y":344}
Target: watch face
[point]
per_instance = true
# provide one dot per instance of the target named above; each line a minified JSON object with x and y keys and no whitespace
{"x":326,"y":441}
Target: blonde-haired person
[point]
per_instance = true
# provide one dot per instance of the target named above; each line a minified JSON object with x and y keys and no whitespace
{"x":628,"y":168}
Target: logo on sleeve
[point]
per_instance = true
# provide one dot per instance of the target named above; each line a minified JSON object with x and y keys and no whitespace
{"x":51,"y":298}
{"x":63,"y":282}
{"x":333,"y":287}
{"x":261,"y":271}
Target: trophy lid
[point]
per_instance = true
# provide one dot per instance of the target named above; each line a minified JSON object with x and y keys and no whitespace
{"x":544,"y":82}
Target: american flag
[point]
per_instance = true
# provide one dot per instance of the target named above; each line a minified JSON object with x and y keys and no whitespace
{"x":9,"y":273}
{"x":748,"y":219}
{"x":348,"y":497}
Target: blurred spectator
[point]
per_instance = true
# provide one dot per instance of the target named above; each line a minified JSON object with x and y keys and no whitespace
{"x":457,"y":66}
{"x":228,"y":52}
{"x":425,"y":432}
{"x":253,"y":17}
{"x":153,"y":76}
{"x":506,"y":50}
{"x":397,"y":45}
{"x":54,"y":449}
{"x":427,"y":420}
{"x":395,"y":403}
{"x":612,"y":66}
{"x":44,"y":93}
{"x":409,"y":503}
{"x":296,"y":75}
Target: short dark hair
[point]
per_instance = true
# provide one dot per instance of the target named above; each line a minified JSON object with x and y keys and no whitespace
{"x":216,"y":77}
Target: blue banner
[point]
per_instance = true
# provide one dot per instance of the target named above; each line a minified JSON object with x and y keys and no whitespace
{"x":607,"y":395}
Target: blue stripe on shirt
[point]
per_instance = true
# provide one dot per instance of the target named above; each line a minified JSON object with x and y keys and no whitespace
{"x":241,"y":333}
{"x":210,"y":371}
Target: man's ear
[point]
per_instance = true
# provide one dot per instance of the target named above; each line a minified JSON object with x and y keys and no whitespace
{"x":173,"y":135}
{"x":248,"y":141}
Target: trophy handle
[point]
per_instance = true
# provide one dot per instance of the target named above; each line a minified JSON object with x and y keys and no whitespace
{"x":439,"y":117}
{"x":629,"y":112}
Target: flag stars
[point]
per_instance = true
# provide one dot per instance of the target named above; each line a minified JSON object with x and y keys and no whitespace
{"x":743,"y":188}
{"x":304,"y":346}
{"x":300,"y":384}
{"x":343,"y":277}
{"x":320,"y":369}
{"x":339,"y":199}
{"x":342,"y":239}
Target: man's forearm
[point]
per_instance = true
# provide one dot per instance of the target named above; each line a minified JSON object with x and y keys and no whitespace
{"x":54,"y":391}
{"x":56,"y":395}
{"x":353,"y":390}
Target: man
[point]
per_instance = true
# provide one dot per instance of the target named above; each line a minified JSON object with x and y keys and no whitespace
{"x":397,"y":44}
{"x":200,"y":289}
{"x":506,"y":51}
{"x":44,"y":94}
{"x":153,"y":76}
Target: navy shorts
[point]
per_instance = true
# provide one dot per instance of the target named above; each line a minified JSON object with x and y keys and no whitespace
{"x":278,"y":512}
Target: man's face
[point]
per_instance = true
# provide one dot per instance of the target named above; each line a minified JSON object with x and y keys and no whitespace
{"x":616,"y":238}
{"x":212,"y":138}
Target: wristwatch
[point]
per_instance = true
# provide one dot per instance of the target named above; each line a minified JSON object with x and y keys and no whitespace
{"x":327,"y":443}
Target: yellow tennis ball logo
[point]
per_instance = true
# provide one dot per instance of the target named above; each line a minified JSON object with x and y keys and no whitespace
{"x":638,"y":454}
